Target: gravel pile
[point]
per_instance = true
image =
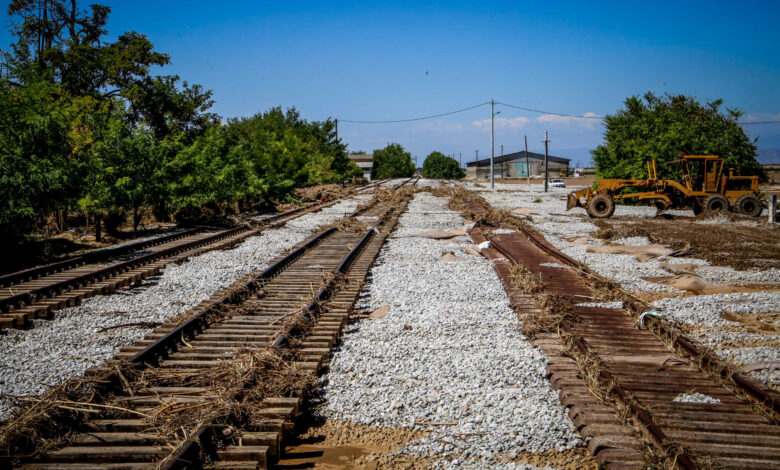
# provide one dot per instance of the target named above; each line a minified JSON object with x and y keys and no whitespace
{"x":706,"y":310}
{"x":712,"y":330}
{"x":729,"y":275}
{"x":428,"y":183}
{"x":449,"y":351}
{"x":470,"y":463}
{"x":746,"y":356}
{"x":624,"y":269}
{"x":696,"y":398}
{"x":56,"y":350}
{"x":601,"y":304}
{"x":632,"y":241}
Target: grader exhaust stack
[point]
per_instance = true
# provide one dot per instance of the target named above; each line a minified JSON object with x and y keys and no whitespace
{"x":703,"y":187}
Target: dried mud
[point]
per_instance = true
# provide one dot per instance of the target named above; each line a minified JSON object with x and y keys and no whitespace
{"x":340,"y":445}
{"x":739,"y":242}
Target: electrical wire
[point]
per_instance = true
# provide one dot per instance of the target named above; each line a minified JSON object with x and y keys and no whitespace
{"x":510,"y":106}
{"x":548,"y":112}
{"x":418,"y":118}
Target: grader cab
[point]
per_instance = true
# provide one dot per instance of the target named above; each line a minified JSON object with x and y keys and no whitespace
{"x":703,"y":187}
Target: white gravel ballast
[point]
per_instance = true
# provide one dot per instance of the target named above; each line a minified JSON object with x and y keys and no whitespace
{"x":55,"y":350}
{"x":449,"y":351}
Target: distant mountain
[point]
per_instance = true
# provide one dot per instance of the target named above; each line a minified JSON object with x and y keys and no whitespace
{"x":769,"y":156}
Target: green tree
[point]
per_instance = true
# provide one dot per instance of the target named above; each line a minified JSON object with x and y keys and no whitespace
{"x":88,"y":127}
{"x":662,"y":128}
{"x":37,"y":173}
{"x":393,"y":162}
{"x":85,"y":126}
{"x":289,"y":151}
{"x":439,"y":166}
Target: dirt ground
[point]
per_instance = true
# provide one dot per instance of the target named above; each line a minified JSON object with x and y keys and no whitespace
{"x":337,"y":445}
{"x":570,"y":181}
{"x":725,"y":240}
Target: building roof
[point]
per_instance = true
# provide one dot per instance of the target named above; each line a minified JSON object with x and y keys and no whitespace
{"x":507,"y":157}
{"x":361,"y":157}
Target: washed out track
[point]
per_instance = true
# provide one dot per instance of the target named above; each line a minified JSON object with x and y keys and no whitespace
{"x":314,"y":285}
{"x":639,"y":373}
{"x":36,"y":293}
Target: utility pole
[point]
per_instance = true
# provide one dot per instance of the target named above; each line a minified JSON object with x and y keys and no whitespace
{"x":460,"y":159}
{"x":492,"y":148}
{"x":527,"y":167}
{"x":502,"y":149}
{"x":546,"y":168}
{"x":337,"y":128}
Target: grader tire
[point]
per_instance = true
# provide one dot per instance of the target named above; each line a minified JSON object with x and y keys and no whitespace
{"x":715,"y":203}
{"x":749,"y":205}
{"x":601,"y":206}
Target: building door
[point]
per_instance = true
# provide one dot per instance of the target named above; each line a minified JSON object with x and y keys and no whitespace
{"x":521,"y":170}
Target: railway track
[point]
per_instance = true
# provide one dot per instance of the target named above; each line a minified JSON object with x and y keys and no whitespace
{"x":624,"y":385}
{"x":299,"y":304}
{"x":36,"y":293}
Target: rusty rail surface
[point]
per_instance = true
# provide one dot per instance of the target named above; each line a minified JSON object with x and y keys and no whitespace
{"x":639,"y":372}
{"x":662,"y":328}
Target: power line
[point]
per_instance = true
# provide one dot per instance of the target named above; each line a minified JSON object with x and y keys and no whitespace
{"x":510,"y":106}
{"x":418,"y":118}
{"x":548,"y":112}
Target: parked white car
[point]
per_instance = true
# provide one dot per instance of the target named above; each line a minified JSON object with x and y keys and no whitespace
{"x":557,"y":183}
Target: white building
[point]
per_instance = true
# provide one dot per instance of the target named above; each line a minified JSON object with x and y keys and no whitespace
{"x":366,"y":163}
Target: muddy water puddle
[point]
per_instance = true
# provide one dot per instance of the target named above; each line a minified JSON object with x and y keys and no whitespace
{"x":327,"y":456}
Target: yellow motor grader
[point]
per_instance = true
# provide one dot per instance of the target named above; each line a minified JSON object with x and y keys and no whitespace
{"x":703,"y":187}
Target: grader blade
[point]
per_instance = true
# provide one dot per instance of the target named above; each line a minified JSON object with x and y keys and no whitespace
{"x":572,"y":200}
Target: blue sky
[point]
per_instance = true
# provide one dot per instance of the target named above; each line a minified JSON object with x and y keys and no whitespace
{"x":375,"y":61}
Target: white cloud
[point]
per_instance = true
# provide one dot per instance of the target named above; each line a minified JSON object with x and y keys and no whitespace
{"x":570,"y":122}
{"x":503,"y":123}
{"x":754,"y":117}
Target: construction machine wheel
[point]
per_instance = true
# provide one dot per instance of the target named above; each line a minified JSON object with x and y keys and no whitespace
{"x":750,"y":205}
{"x":601,"y":206}
{"x":716,"y":202}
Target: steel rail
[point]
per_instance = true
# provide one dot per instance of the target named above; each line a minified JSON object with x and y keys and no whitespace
{"x":102,"y":254}
{"x":90,"y":257}
{"x":159,"y":350}
{"x":314,"y":307}
{"x":26,"y":298}
{"x":187,"y":456}
{"x":192,"y":448}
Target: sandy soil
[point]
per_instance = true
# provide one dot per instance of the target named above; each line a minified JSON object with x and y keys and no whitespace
{"x":344,"y":445}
